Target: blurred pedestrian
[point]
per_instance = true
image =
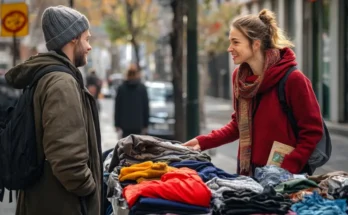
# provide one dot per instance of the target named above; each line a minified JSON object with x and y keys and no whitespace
{"x":265,"y":55}
{"x":66,"y":120}
{"x":132,"y":105}
{"x":94,"y":84}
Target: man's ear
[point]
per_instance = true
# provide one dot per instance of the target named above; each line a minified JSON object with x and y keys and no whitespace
{"x":75,"y":40}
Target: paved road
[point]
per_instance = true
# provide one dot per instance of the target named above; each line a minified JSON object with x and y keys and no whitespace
{"x":218,"y":113}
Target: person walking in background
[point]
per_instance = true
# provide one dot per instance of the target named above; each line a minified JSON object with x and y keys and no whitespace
{"x":132,"y":105}
{"x":265,"y":56}
{"x":94,"y":84}
{"x":66,"y":121}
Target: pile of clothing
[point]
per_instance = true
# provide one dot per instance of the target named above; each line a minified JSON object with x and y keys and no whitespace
{"x":320,"y":194}
{"x":140,"y":148}
{"x":148,"y":175}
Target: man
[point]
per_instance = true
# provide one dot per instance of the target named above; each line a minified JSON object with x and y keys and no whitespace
{"x":132,"y":105}
{"x":66,"y":121}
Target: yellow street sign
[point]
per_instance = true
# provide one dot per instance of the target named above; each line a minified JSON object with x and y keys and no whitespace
{"x":14,"y":20}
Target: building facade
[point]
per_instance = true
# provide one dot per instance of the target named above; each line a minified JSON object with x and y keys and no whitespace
{"x":318,"y":29}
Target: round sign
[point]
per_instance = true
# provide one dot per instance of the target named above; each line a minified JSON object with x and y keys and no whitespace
{"x":14,"y":21}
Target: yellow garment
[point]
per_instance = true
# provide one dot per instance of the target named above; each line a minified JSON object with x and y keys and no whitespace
{"x":144,"y":171}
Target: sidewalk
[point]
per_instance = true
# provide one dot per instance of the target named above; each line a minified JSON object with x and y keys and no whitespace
{"x":218,"y":112}
{"x":337,"y":128}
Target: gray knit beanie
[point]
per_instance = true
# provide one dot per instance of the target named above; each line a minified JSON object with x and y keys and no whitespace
{"x":62,"y":24}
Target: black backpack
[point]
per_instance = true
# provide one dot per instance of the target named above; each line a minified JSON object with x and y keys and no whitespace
{"x":322,"y":152}
{"x":19,"y":164}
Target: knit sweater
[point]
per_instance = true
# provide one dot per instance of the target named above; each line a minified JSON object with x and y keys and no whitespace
{"x":144,"y":171}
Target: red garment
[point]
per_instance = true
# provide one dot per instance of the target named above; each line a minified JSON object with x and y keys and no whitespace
{"x":271,"y":124}
{"x":182,"y":185}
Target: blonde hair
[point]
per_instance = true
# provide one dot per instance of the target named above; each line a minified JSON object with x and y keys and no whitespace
{"x":262,"y":27}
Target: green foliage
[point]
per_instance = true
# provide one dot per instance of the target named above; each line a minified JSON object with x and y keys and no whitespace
{"x":214,"y":22}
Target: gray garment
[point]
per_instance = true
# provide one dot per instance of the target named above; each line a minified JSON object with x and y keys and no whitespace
{"x":218,"y":186}
{"x":140,"y":148}
{"x":337,"y":182}
{"x":61,"y":24}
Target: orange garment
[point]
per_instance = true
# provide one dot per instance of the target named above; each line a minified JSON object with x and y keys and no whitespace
{"x":181,"y":185}
{"x":144,"y":171}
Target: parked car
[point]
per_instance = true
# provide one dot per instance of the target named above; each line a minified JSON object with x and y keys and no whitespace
{"x":108,"y":91}
{"x":162,"y":119}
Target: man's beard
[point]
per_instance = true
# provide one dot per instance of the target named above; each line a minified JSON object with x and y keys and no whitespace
{"x":79,"y":56}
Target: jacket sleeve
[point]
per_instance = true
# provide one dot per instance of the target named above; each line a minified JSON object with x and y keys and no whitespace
{"x":146,"y":108}
{"x":117,"y":112}
{"x":65,"y":140}
{"x":306,"y":110}
{"x":226,"y":134}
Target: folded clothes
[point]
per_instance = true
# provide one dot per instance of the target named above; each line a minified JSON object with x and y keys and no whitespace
{"x":249,"y":202}
{"x":140,"y":148}
{"x":163,"y":206}
{"x":295,"y":185}
{"x":181,"y":185}
{"x":206,"y":170}
{"x":144,"y":171}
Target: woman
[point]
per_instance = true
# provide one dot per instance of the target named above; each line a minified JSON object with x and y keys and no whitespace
{"x":264,"y":55}
{"x":132,"y":105}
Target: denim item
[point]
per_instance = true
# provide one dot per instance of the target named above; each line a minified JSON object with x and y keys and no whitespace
{"x":206,"y":170}
{"x":271,"y":175}
{"x":317,"y":205}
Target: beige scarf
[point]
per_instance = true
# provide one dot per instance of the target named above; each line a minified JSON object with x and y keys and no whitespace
{"x":244,"y":94}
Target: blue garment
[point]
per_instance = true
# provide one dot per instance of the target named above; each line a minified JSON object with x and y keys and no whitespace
{"x":317,"y":205}
{"x":109,"y":210}
{"x":161,"y":206}
{"x":206,"y":170}
{"x":271,"y":175}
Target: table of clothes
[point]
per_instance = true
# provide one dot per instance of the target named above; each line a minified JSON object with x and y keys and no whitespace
{"x":148,"y":175}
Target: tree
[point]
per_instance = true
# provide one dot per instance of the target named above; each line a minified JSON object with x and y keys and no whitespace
{"x":176,"y":42}
{"x":214,"y":24}
{"x":129,"y":21}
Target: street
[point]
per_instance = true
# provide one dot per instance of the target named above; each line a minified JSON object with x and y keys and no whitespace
{"x":218,"y":113}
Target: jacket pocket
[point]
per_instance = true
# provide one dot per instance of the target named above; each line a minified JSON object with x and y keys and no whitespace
{"x":83,"y":205}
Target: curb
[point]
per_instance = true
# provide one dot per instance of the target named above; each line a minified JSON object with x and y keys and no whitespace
{"x":337,"y":128}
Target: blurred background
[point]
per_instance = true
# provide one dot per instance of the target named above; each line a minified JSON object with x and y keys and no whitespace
{"x":180,"y":47}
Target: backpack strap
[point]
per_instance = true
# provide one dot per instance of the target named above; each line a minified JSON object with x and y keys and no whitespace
{"x":284,"y":104}
{"x":52,"y":68}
